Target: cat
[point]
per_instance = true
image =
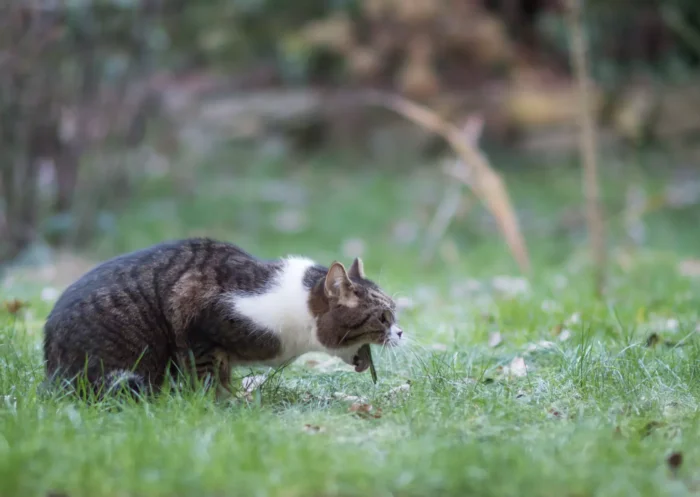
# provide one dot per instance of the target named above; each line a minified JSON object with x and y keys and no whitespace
{"x":201,"y":307}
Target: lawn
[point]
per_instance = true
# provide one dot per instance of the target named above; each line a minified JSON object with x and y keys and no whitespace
{"x":507,"y":386}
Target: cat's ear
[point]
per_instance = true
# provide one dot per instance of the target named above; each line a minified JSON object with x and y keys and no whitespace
{"x":357,"y":269}
{"x":338,"y":285}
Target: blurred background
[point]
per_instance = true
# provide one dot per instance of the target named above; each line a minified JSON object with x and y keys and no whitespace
{"x":127,"y":122}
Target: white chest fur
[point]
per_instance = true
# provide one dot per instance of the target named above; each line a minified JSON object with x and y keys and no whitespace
{"x":284,"y":310}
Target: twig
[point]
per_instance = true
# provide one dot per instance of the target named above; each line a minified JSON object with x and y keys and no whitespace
{"x":486,"y":183}
{"x":587,"y":144}
{"x":452,"y":197}
{"x":444,"y":214}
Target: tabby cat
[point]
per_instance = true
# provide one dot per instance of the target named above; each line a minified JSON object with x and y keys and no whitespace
{"x":201,"y":306}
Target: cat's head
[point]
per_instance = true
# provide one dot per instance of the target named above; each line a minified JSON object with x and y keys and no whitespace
{"x":352,"y":311}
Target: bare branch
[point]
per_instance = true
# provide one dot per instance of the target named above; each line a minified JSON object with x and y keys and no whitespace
{"x":484,"y":181}
{"x":588,"y":145}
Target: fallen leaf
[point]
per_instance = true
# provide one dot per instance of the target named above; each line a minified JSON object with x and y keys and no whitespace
{"x":653,"y":340}
{"x":312,"y":428}
{"x":345,"y":397}
{"x":689,"y":268}
{"x":517,"y":367}
{"x":495,"y":339}
{"x":674,"y":461}
{"x":542,"y":344}
{"x":365,"y":410}
{"x":554,"y":413}
{"x":250,"y":383}
{"x":575,"y":318}
{"x":401,"y":388}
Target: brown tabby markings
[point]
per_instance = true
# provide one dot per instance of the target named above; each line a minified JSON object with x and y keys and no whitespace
{"x":168,"y":304}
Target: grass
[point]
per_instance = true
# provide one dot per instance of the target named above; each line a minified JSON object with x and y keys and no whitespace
{"x":597,"y":413}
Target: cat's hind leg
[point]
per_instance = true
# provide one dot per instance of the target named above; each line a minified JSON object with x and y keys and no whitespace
{"x":222,"y":367}
{"x":124,"y":381}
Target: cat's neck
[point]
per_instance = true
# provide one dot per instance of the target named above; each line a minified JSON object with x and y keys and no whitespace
{"x":283,"y":308}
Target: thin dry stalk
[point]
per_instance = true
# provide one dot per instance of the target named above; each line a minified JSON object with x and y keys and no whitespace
{"x":587,"y":144}
{"x":453,"y":196}
{"x":483,"y":180}
{"x":444,"y":214}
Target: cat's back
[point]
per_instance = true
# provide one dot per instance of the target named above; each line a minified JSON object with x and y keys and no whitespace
{"x":150,"y":273}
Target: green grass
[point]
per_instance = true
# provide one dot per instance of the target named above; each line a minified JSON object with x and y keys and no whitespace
{"x":596,"y":414}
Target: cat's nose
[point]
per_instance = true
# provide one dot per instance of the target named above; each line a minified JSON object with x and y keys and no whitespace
{"x":399,"y":333}
{"x":396,"y":330}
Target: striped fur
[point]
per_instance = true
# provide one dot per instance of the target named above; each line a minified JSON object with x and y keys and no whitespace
{"x":201,"y":307}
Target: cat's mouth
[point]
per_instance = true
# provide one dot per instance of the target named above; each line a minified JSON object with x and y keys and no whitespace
{"x":359,"y":355}
{"x":389,"y":338}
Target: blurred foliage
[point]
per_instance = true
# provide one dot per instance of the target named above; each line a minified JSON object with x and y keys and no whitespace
{"x":415,"y":44}
{"x":71,"y":82}
{"x":77,"y":76}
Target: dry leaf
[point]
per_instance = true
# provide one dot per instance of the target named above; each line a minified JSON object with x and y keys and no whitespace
{"x":346,"y":397}
{"x":495,"y":339}
{"x":365,"y":410}
{"x":674,"y":461}
{"x":689,"y":268}
{"x":541,"y":345}
{"x":517,"y":367}
{"x":554,"y":413}
{"x":575,"y":318}
{"x":401,"y":388}
{"x":312,"y":428}
{"x":483,"y":180}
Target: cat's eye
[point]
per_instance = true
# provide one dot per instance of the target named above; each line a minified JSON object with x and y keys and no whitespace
{"x":386,"y":317}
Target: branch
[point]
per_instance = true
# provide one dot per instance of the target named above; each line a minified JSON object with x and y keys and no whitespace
{"x":484,"y":181}
{"x":588,"y":145}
